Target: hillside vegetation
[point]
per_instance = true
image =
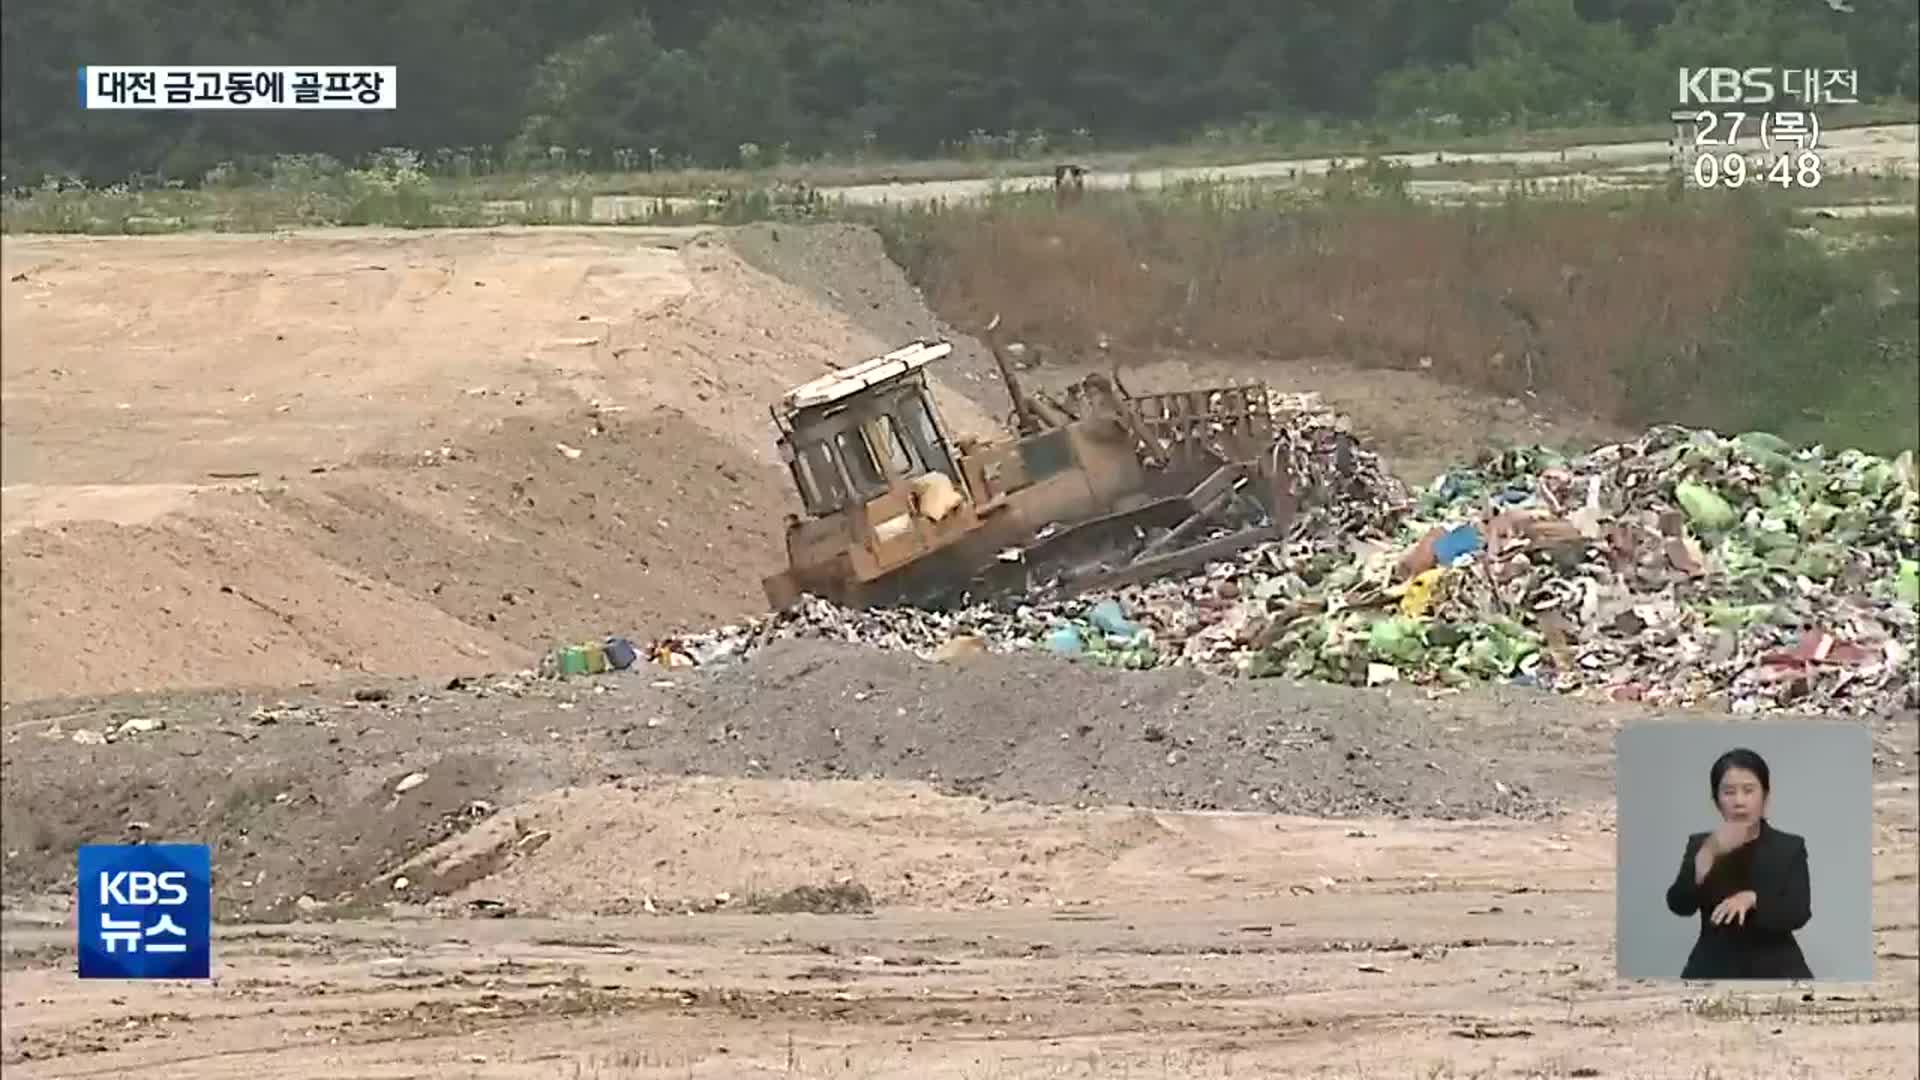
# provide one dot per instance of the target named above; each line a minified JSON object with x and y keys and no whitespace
{"x":492,"y":85}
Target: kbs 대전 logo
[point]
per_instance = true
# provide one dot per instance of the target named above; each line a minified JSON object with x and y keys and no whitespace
{"x":146,"y":911}
{"x":1765,"y":86}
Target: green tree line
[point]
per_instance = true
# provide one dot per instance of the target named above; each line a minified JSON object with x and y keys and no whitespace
{"x":648,"y":83}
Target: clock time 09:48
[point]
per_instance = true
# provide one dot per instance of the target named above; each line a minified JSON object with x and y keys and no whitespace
{"x":1733,"y":170}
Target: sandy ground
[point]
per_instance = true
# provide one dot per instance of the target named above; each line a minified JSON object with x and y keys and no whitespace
{"x":1392,"y":973}
{"x":589,"y":881}
{"x":173,"y":359}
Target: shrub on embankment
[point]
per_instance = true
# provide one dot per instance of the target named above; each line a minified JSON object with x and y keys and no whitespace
{"x":1707,"y":310}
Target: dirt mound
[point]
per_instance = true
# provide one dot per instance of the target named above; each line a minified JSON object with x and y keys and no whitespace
{"x":313,"y":792}
{"x":475,"y":556}
{"x":306,"y":456}
{"x":847,"y":267}
{"x":268,"y":354}
{"x":657,"y":524}
{"x":771,"y":845}
{"x":302,"y":793}
{"x":231,"y":595}
{"x":705,"y":843}
{"x":1038,"y":729}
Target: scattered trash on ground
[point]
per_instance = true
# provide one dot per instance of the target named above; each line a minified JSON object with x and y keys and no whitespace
{"x":1683,"y":568}
{"x":590,"y":658}
{"x":841,"y":897}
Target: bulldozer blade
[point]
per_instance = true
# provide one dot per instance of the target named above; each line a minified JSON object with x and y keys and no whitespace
{"x":1158,"y":566}
{"x":1200,"y":519}
{"x":1108,"y":538}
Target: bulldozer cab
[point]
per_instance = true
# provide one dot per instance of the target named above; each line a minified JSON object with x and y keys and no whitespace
{"x":855,"y":436}
{"x":878,"y":478}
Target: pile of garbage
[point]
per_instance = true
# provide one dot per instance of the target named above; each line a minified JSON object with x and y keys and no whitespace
{"x":1682,"y":568}
{"x":1343,"y":487}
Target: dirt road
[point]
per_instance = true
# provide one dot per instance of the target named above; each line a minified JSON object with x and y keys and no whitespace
{"x":588,"y":881}
{"x":1881,"y":150}
{"x":1888,"y":149}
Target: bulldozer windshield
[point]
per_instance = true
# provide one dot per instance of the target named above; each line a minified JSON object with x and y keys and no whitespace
{"x":921,"y":431}
{"x":854,"y":452}
{"x":858,"y":457}
{"x":817,"y":476}
{"x":839,"y":468}
{"x":892,"y":451}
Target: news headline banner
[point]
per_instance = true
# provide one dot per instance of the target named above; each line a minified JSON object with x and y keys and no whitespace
{"x":146,"y":911}
{"x":203,"y":87}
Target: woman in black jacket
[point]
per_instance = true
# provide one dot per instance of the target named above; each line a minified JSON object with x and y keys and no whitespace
{"x":1746,"y":879}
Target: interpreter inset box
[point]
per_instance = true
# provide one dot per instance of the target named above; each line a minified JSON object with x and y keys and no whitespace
{"x":1745,"y":851}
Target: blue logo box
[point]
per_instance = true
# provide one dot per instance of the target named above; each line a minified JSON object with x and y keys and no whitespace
{"x":146,"y":911}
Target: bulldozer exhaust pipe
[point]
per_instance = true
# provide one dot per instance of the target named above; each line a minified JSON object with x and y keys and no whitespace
{"x":1025,"y":417}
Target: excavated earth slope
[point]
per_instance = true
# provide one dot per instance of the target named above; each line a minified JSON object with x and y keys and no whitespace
{"x":266,"y":459}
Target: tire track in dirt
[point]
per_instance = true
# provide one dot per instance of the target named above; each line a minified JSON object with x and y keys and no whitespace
{"x":1024,"y":992}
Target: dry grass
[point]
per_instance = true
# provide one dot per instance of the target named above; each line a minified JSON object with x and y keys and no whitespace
{"x":837,"y":898}
{"x":1544,"y":296}
{"x":1715,"y":309}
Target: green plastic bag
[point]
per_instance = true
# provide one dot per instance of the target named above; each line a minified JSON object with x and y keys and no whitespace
{"x":1906,"y":583}
{"x":1764,"y":440}
{"x":1821,"y":561}
{"x":1770,"y":451}
{"x":1734,"y":617}
{"x":1704,"y":507}
{"x":1396,"y":638}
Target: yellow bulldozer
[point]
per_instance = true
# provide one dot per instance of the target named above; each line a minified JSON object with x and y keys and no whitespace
{"x":1096,"y":488}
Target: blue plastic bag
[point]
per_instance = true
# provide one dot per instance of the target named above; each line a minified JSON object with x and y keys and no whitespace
{"x":1110,"y":618}
{"x":620,"y":653}
{"x":1455,"y":542}
{"x":1065,"y":641}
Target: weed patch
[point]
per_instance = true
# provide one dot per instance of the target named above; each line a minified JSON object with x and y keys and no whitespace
{"x":838,"y":898}
{"x":1646,"y":307}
